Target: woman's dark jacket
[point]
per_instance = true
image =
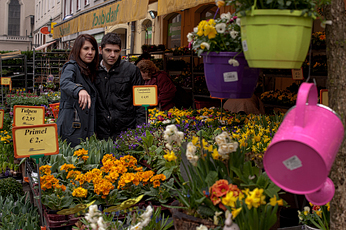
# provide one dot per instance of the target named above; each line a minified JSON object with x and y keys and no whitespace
{"x":73,"y":122}
{"x":115,"y":111}
{"x":165,"y":89}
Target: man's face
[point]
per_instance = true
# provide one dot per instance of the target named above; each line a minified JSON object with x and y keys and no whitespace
{"x":110,"y":54}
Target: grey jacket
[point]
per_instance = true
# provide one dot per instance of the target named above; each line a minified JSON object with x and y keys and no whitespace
{"x":73,"y":122}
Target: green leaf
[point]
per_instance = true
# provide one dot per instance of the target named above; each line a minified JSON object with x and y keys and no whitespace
{"x":211,"y":178}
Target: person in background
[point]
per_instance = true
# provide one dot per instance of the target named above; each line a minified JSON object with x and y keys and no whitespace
{"x":144,"y":56}
{"x":165,"y":86}
{"x":115,"y":79}
{"x":76,"y":118}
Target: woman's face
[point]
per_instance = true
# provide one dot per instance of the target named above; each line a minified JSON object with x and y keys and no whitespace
{"x":145,"y":76}
{"x":87,"y":53}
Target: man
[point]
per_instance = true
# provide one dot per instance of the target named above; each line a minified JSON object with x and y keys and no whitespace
{"x":115,"y":111}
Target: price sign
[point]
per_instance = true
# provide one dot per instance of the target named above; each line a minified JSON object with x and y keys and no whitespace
{"x":28,"y":115}
{"x":145,"y":95}
{"x":35,"y":140}
{"x":5,"y":81}
{"x":324,"y":97}
{"x":2,"y":112}
{"x":297,"y":74}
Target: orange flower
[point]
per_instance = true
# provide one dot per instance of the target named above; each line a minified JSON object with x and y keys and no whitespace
{"x":45,"y":169}
{"x":215,"y":199}
{"x":220,"y":188}
{"x":156,"y":183}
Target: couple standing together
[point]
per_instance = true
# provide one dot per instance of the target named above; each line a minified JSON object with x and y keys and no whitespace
{"x":96,"y":91}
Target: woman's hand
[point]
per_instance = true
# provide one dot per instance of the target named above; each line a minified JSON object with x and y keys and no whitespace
{"x":84,"y":99}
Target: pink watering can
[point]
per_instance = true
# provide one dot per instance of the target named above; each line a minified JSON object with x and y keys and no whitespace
{"x":304,"y":148}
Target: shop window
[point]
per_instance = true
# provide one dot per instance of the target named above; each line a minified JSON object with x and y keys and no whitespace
{"x":14,"y":18}
{"x":147,"y":28}
{"x":209,"y":12}
{"x":174,"y":31}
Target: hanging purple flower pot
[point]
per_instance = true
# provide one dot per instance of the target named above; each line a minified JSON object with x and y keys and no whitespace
{"x":229,"y":81}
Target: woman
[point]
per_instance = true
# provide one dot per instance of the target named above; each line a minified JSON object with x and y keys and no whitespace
{"x":76,"y":119}
{"x":165,"y":86}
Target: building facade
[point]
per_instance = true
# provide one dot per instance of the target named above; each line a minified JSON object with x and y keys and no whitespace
{"x":16,"y":29}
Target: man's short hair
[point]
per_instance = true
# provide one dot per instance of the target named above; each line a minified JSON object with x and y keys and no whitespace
{"x":111,"y":38}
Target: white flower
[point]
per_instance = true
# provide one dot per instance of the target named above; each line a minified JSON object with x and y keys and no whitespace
{"x":216,"y":220}
{"x":232,"y":147}
{"x":221,"y":27}
{"x":238,"y":21}
{"x":234,"y":34}
{"x":233,"y":62}
{"x":227,"y":16}
{"x":148,"y":212}
{"x":328,"y":22}
{"x":189,"y":37}
{"x":138,"y":226}
{"x":166,"y":121}
{"x":220,"y":140}
{"x":191,"y":148}
{"x":169,"y":146}
{"x":202,"y":227}
{"x":195,"y":29}
{"x":205,"y":45}
{"x":306,"y":209}
{"x":100,"y":223}
{"x":93,"y":226}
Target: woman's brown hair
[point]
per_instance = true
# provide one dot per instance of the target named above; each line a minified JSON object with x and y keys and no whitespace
{"x":89,"y":70}
{"x":147,"y":66}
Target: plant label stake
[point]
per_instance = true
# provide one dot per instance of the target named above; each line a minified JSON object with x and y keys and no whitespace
{"x":145,"y":96}
{"x":28,"y":115}
{"x":35,"y":141}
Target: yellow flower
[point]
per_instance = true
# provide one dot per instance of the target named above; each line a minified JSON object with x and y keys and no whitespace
{"x":80,"y":192}
{"x":170,"y":156}
{"x":229,"y":199}
{"x":235,"y":212}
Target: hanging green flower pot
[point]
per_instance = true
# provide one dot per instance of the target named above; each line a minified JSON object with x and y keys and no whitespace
{"x":275,"y":38}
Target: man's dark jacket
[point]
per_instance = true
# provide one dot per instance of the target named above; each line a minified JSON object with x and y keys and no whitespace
{"x":73,"y":122}
{"x":115,"y":111}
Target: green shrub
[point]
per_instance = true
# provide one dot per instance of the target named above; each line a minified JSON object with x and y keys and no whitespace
{"x":10,"y":186}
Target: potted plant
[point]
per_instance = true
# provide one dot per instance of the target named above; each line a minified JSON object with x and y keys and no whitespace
{"x":220,"y":181}
{"x":226,"y":70}
{"x":276,"y":34}
{"x":315,"y":217}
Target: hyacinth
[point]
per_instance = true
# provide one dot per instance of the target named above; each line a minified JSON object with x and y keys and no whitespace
{"x":144,"y":219}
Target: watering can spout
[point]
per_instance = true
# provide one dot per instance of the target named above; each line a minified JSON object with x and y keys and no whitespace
{"x":323,"y":195}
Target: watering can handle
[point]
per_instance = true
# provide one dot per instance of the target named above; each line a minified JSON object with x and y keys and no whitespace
{"x":306,"y":92}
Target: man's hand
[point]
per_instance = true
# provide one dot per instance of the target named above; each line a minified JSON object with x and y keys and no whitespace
{"x":84,"y":99}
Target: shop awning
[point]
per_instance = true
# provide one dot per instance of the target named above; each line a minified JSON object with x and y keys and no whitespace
{"x":44,"y":46}
{"x":169,"y":6}
{"x":103,"y":15}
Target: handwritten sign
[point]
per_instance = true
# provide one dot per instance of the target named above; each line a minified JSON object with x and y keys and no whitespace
{"x":35,"y":140}
{"x":324,"y":97}
{"x":5,"y":81}
{"x":297,"y":74}
{"x":145,"y":95}
{"x":28,"y":115}
{"x":2,"y":112}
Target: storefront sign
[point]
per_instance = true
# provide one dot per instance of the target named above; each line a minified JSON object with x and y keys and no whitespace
{"x":5,"y":80}
{"x":174,"y":28}
{"x":108,"y":15}
{"x":297,"y":74}
{"x":145,"y":95}
{"x":28,"y":115}
{"x":169,"y":6}
{"x":148,"y":33}
{"x":324,"y":97}
{"x":2,"y":112}
{"x":35,"y":140}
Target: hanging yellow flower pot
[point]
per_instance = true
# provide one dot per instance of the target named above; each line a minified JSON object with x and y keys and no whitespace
{"x":275,"y":38}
